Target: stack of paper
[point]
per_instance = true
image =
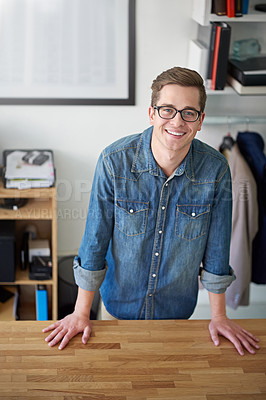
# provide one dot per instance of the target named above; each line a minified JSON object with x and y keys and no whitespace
{"x":29,"y":169}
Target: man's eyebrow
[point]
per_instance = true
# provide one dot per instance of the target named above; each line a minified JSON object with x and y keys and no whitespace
{"x":185,"y":108}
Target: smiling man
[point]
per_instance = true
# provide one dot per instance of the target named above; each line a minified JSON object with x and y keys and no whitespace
{"x":160,"y":207}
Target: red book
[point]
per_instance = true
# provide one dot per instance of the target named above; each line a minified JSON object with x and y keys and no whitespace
{"x":215,"y":55}
{"x":230,"y":8}
{"x":220,"y":57}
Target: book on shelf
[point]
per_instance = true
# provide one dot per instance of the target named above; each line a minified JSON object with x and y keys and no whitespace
{"x":245,"y":5}
{"x":220,"y":55}
{"x":230,"y":8}
{"x":245,"y":90}
{"x":238,"y":8}
{"x":249,"y":72}
{"x":210,"y":54}
{"x":218,"y":7}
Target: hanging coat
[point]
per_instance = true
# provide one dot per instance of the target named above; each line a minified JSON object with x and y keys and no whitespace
{"x":244,"y":227}
{"x":251,"y":145}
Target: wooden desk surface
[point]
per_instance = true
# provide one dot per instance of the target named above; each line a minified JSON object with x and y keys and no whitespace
{"x":126,"y":360}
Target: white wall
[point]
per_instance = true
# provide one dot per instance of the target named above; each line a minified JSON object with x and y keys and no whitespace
{"x":77,"y":134}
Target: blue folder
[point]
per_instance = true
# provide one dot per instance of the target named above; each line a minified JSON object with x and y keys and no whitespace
{"x":41,"y":303}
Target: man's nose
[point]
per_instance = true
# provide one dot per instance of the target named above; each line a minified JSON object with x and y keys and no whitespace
{"x":177,"y":118}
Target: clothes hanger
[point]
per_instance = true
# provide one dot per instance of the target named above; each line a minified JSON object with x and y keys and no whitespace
{"x":228,"y":141}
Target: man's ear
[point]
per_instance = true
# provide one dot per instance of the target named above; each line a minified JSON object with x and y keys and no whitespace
{"x":202,"y":116}
{"x":151,"y":115}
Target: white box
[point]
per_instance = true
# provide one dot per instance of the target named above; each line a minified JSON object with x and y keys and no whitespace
{"x":38,"y":248}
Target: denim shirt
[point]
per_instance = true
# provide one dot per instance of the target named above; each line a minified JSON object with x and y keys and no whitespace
{"x":147,"y":234}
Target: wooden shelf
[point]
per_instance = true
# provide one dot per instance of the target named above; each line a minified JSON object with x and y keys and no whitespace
{"x":41,"y":207}
{"x":22,"y":278}
{"x":35,"y":209}
{"x":36,"y":193}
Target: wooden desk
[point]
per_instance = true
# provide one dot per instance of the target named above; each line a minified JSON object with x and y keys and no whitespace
{"x":126,"y":360}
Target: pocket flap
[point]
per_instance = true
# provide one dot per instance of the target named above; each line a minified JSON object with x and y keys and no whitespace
{"x":193,"y":210}
{"x":132,"y":207}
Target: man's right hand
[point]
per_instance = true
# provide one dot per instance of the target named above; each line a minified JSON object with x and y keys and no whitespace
{"x":65,"y":329}
{"x":77,"y":322}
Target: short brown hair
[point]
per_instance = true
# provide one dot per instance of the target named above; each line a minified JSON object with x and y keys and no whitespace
{"x":179,"y":76}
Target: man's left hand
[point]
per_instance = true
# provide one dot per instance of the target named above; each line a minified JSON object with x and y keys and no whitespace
{"x":240,"y":338}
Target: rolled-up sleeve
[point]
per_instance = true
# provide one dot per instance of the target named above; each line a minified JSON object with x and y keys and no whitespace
{"x":90,"y":264}
{"x":216,"y":283}
{"x":217,"y":274}
{"x":86,"y":279}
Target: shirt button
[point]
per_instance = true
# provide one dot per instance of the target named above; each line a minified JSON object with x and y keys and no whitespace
{"x":166,"y":184}
{"x":156,"y":254}
{"x":193,"y":214}
{"x":160,"y":232}
{"x":131,"y":210}
{"x":163,"y":207}
{"x":154,"y":275}
{"x":150,"y":295}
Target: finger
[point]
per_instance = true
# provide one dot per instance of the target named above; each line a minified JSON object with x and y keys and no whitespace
{"x":236,"y":342}
{"x":214,"y":336}
{"x":65,"y":340}
{"x":58,"y":337}
{"x":53,"y":334}
{"x":250,"y":335}
{"x":86,"y":335}
{"x":251,"y":341}
{"x":248,"y":343}
{"x":50,"y":327}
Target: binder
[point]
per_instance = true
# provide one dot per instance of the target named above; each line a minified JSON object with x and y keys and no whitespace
{"x":41,"y":303}
{"x":210,"y":55}
{"x":220,"y":57}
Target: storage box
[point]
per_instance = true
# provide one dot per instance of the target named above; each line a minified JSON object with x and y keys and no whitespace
{"x":38,"y":248}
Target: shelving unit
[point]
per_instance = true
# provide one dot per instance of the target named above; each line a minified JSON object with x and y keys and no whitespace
{"x":203,"y":16}
{"x":41,"y":210}
{"x":251,"y":22}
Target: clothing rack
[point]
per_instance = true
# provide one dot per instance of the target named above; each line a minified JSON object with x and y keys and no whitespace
{"x":234,"y":120}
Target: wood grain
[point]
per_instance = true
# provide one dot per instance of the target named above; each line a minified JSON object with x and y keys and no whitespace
{"x":126,"y":360}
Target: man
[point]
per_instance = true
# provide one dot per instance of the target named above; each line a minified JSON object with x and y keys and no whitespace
{"x":160,"y":207}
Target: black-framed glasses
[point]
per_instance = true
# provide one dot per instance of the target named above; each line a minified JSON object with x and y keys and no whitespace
{"x":187,"y":114}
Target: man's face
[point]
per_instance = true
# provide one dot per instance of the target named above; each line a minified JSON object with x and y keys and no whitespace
{"x":175,"y":135}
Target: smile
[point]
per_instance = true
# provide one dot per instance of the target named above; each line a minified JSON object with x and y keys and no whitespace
{"x":175,"y":133}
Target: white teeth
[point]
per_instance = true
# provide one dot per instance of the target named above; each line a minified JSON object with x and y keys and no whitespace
{"x":175,"y":133}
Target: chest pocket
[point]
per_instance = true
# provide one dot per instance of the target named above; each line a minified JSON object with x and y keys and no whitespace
{"x":131,"y":216}
{"x":191,"y":221}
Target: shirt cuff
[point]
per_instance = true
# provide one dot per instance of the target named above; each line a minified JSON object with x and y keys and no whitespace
{"x":216,"y":283}
{"x":86,"y":279}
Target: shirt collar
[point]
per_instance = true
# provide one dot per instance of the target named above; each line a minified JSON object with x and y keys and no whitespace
{"x":145,"y":162}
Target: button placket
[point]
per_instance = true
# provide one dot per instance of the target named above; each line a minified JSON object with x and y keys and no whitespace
{"x":156,"y":249}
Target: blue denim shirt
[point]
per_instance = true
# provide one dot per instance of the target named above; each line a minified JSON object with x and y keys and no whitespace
{"x":147,"y":234}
